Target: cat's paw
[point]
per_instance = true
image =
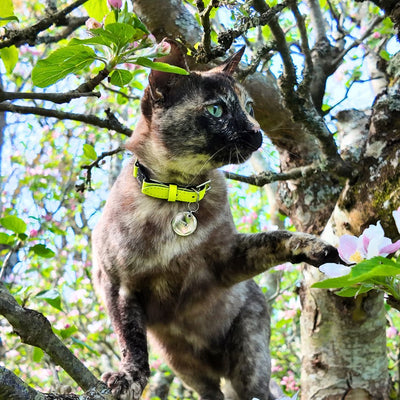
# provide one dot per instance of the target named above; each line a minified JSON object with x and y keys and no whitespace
{"x":309,"y":249}
{"x":123,"y":385}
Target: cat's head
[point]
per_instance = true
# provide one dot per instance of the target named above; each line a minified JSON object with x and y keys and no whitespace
{"x":198,"y":121}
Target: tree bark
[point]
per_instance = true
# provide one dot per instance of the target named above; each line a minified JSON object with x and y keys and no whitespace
{"x":343,"y":340}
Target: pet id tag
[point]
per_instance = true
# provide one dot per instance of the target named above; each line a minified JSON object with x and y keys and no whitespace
{"x":184,"y":223}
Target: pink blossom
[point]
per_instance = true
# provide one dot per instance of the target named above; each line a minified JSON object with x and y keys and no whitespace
{"x":163,"y":48}
{"x":353,"y":250}
{"x":391,"y":332}
{"x":115,"y":3}
{"x":92,"y":23}
{"x":376,"y":35}
{"x":33,"y":233}
{"x":396,"y":217}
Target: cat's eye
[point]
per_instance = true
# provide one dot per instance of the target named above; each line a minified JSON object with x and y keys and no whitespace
{"x":215,"y":110}
{"x":249,"y":108}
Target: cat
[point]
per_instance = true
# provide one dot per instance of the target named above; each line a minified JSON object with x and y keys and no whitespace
{"x":168,"y":260}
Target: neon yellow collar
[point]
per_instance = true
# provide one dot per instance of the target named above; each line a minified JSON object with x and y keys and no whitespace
{"x":169,"y":191}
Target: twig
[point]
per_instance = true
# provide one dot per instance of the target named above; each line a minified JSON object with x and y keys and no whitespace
{"x":111,"y":123}
{"x":96,"y":164}
{"x":225,"y":39}
{"x":29,"y":35}
{"x":205,"y":22}
{"x":267,"y":177}
{"x":308,"y":70}
{"x":7,"y":259}
{"x":357,"y":42}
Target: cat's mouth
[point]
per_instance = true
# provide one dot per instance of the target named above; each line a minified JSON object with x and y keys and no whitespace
{"x":245,"y":147}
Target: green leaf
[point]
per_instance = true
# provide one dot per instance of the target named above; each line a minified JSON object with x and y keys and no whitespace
{"x":160,"y":66}
{"x":6,"y":11}
{"x":375,"y":267}
{"x":42,"y":251}
{"x":96,"y":9}
{"x":37,"y":354}
{"x":385,"y":55}
{"x":89,"y":152}
{"x":13,"y":223}
{"x":118,"y":33}
{"x":354,"y":290}
{"x":334,"y":283}
{"x":80,"y":343}
{"x":52,"y":297}
{"x":120,"y":77}
{"x":68,"y":332}
{"x":4,"y":238}
{"x":90,"y":41}
{"x":60,"y":63}
{"x":10,"y":18}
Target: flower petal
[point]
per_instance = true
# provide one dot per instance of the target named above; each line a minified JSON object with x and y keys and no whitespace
{"x":347,"y":247}
{"x":334,"y":270}
{"x":376,"y":245}
{"x":396,"y":216}
{"x":389,"y":249}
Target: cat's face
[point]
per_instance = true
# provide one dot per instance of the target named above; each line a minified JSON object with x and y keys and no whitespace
{"x":202,"y":120}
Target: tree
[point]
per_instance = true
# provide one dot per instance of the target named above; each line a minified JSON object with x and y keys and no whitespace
{"x":338,"y":171}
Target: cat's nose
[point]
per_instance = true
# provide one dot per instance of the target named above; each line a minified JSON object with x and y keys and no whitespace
{"x":254,"y":127}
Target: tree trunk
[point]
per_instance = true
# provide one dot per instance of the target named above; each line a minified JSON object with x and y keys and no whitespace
{"x":343,"y":340}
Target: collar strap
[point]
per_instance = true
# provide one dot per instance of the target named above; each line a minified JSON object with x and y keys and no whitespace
{"x":169,"y":191}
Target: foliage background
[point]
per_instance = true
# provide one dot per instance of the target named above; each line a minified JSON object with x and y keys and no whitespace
{"x":41,"y":165}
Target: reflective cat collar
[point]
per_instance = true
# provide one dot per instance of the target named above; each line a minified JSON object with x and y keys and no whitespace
{"x":169,"y":191}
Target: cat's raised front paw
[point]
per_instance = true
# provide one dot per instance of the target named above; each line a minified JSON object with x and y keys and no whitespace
{"x":123,"y":386}
{"x":324,"y":253}
{"x":312,"y":250}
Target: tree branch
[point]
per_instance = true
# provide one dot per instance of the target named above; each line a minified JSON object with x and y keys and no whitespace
{"x":95,"y":164}
{"x":267,"y":177}
{"x":111,"y":123}
{"x":35,"y":330}
{"x":12,"y":387}
{"x":225,"y":39}
{"x":58,"y":98}
{"x":30,"y":35}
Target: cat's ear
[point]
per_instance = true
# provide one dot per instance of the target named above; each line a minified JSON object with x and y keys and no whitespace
{"x":159,"y":81}
{"x":230,"y":65}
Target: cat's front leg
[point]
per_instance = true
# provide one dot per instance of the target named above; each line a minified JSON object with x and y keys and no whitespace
{"x":128,"y":322}
{"x":252,"y":254}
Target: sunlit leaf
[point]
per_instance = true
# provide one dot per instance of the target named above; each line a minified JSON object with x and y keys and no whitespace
{"x":52,"y":297}
{"x":37,"y":354}
{"x":120,"y":77}
{"x":160,"y":66}
{"x":89,"y":152}
{"x":13,"y":223}
{"x":42,"y":251}
{"x":96,"y":9}
{"x":60,"y":63}
{"x":6,"y":11}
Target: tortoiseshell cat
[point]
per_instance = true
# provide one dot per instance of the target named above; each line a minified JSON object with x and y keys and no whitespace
{"x":192,"y":294}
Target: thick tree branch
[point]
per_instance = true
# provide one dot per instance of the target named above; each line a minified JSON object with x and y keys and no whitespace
{"x":73,"y":24}
{"x":58,"y":98}
{"x":111,"y":123}
{"x":13,"y":388}
{"x":30,"y":35}
{"x":35,"y":330}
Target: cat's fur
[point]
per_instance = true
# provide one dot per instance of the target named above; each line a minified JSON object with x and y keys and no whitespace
{"x":193,"y":295}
